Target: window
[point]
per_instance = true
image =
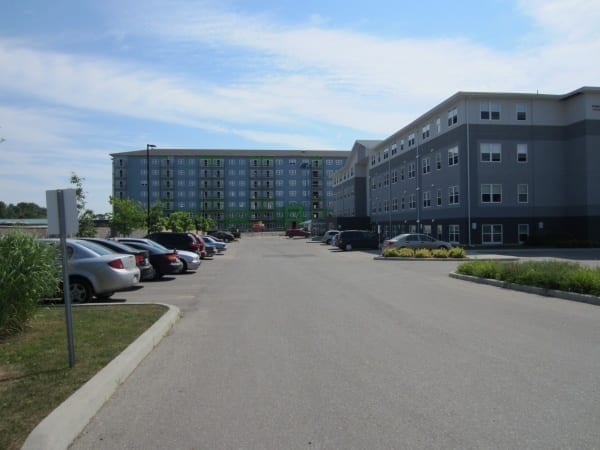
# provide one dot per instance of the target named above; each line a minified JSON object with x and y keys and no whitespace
{"x":394,"y":176}
{"x":491,"y":193}
{"x":491,"y":152}
{"x":426,"y":199}
{"x":412,"y":201}
{"x":521,"y":111}
{"x":522,"y":193}
{"x":402,"y":203}
{"x":425,"y":131}
{"x":489,"y":111}
{"x":521,"y":153}
{"x":386,"y":153}
{"x":453,"y":156}
{"x":453,"y":195}
{"x":411,"y":140}
{"x":394,"y":149}
{"x":452,"y":117}
{"x":402,"y":173}
{"x":438,"y":161}
{"x":439,"y":197}
{"x":454,"y":233}
{"x":426,"y":165}
{"x":412,"y":170}
{"x":491,"y":234}
{"x":394,"y":204}
{"x":523,"y":232}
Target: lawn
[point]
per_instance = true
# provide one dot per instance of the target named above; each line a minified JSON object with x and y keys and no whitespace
{"x":34,"y":365}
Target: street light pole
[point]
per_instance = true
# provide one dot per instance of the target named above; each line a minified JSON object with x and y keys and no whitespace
{"x":148,"y":147}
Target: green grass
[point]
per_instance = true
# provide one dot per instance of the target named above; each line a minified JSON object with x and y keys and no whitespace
{"x":562,"y":276}
{"x":34,"y":365}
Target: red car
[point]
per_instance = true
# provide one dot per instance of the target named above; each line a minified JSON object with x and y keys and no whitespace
{"x":297,"y":232}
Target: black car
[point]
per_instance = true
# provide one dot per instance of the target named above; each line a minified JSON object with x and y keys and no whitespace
{"x":164,"y":260}
{"x":142,"y":257}
{"x":177,"y":240}
{"x":225,"y":236}
{"x":236,"y":232}
{"x":353,"y":239}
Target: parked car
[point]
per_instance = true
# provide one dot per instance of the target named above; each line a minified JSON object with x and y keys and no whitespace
{"x":297,"y":232}
{"x":219,"y":246}
{"x":177,"y":240}
{"x":226,"y":236}
{"x":415,"y":240}
{"x":236,"y":232}
{"x":334,"y":239}
{"x":142,"y":257}
{"x":166,"y":261}
{"x":208,"y":250}
{"x":96,"y":271}
{"x":328,"y":236}
{"x":354,"y":239}
{"x":191,"y":260}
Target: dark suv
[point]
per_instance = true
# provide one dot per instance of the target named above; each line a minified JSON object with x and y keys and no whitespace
{"x":351,"y":239}
{"x":179,"y":241}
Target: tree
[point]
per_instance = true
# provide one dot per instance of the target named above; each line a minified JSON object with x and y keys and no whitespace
{"x":86,"y":216}
{"x":128,"y":215}
{"x":179,"y":221}
{"x":204,"y":223}
{"x":156,"y":219}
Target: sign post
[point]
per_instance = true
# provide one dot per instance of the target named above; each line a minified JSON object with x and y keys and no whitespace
{"x":61,"y":205}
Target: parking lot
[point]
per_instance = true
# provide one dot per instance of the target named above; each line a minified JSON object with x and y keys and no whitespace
{"x":288,"y":343}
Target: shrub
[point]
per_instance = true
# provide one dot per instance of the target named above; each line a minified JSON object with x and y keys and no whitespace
{"x":457,"y":252}
{"x":557,"y":275}
{"x":439,"y":253}
{"x":399,"y":252}
{"x":422,"y":253}
{"x":28,"y":273}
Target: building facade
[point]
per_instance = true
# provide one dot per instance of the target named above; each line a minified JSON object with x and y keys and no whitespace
{"x":485,"y":168}
{"x":234,"y":187}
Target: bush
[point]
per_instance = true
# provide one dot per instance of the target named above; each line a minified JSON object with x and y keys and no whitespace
{"x":28,"y":273}
{"x":557,"y":275}
{"x":439,"y":253}
{"x":399,"y":252}
{"x":457,"y":252}
{"x":422,"y":253}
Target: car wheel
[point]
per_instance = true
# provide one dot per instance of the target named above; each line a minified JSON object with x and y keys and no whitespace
{"x":328,"y":242}
{"x":80,"y":290}
{"x":348,"y":247}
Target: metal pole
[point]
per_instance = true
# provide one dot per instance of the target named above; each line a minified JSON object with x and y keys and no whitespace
{"x":65,"y":271}
{"x":148,"y":147}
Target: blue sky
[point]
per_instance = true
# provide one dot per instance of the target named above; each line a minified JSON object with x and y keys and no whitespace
{"x":82,"y":79}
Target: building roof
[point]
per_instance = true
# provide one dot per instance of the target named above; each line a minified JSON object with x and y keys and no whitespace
{"x":236,"y":152}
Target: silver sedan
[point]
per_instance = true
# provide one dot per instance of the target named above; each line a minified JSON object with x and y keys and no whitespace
{"x":96,"y":271}
{"x":415,"y":240}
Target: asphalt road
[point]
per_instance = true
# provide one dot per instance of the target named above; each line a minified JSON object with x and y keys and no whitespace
{"x":286,"y":344}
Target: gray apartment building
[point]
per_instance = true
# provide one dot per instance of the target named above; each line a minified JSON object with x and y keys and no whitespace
{"x":237,"y":188}
{"x":483,"y":169}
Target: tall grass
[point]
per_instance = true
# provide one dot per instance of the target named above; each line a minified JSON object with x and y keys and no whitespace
{"x":563,"y":276}
{"x":28,"y":273}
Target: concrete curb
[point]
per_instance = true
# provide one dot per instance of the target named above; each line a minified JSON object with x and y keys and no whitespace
{"x":591,"y":299}
{"x":60,"y":428}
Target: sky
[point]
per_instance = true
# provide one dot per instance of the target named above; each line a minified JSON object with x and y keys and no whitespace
{"x":82,"y":79}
